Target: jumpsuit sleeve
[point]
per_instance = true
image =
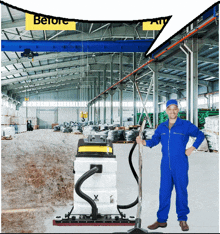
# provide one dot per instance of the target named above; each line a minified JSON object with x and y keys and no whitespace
{"x":195,"y":132}
{"x":155,"y":138}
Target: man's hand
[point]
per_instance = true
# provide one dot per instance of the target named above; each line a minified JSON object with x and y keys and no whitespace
{"x":189,"y":151}
{"x":139,"y":141}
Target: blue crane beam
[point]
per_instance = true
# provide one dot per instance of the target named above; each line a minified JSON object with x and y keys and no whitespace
{"x":77,"y":46}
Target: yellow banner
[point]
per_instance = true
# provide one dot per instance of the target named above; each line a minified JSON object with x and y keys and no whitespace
{"x":26,"y":99}
{"x":156,"y":24}
{"x":37,"y":22}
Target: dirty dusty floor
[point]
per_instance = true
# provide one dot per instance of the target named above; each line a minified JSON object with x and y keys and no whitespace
{"x":37,"y":185}
{"x":36,"y":176}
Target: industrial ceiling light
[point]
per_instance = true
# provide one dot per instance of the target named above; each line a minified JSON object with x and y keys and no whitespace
{"x":209,"y":78}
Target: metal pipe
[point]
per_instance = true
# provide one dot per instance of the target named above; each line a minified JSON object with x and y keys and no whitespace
{"x":140,"y":151}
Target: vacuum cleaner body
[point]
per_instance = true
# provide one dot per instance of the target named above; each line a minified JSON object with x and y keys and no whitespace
{"x":95,"y":193}
{"x":101,"y":187}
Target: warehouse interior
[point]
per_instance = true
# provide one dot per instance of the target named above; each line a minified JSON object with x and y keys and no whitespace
{"x":51,"y":98}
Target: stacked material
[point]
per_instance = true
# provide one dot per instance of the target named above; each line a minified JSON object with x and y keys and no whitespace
{"x":22,"y":128}
{"x":18,"y":120}
{"x":77,"y":128}
{"x":212,"y":123}
{"x":66,"y":129}
{"x":114,"y":135}
{"x":103,"y":133}
{"x":162,"y":117}
{"x":121,"y":133}
{"x":148,"y":133}
{"x":203,"y":114}
{"x":4,"y":110}
{"x":103,"y":127}
{"x":131,"y":135}
{"x":7,"y":127}
{"x":150,"y":115}
{"x":90,"y":130}
{"x":212,"y":139}
{"x":211,"y":132}
{"x":8,"y":131}
{"x":56,"y":128}
{"x":5,"y":120}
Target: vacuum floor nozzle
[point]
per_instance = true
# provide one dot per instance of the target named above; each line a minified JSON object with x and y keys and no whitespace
{"x":86,"y":220}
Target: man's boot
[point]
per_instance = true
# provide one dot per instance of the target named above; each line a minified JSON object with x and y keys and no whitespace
{"x":157,"y":225}
{"x":184,"y":226}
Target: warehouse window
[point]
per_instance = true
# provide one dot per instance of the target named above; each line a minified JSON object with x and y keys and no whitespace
{"x":78,"y":104}
{"x":215,"y":98}
{"x":72,"y":104}
{"x":182,"y":104}
{"x":202,"y":100}
{"x":116,"y":104}
{"x":54,"y":104}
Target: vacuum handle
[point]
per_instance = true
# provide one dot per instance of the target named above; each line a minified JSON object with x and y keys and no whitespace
{"x":139,"y":207}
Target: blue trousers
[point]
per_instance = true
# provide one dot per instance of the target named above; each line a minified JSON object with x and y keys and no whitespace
{"x":177,"y":177}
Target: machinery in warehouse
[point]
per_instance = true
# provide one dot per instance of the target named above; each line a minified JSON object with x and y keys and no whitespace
{"x":95,"y":171}
{"x":83,"y":116}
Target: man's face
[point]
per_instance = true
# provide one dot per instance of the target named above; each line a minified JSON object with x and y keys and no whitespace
{"x":172,"y":111}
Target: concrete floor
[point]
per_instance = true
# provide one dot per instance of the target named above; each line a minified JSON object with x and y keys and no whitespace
{"x":203,"y":191}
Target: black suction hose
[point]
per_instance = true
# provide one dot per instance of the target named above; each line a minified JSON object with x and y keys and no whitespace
{"x":135,"y":176}
{"x":83,"y":195}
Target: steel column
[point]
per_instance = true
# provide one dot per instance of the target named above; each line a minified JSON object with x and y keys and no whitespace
{"x":155,"y":94}
{"x":134,"y":91}
{"x":88,"y":106}
{"x":194,"y":85}
{"x":188,"y":80}
{"x":120,"y":91}
{"x":95,"y":109}
{"x":191,"y":80}
{"x":104,"y":87}
{"x":77,"y":99}
{"x":98,"y":87}
{"x":111,"y":67}
{"x":91,"y":109}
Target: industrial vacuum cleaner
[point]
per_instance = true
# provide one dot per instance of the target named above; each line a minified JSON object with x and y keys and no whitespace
{"x":95,"y":193}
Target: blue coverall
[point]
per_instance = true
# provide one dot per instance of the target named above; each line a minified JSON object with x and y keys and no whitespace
{"x":174,"y":165}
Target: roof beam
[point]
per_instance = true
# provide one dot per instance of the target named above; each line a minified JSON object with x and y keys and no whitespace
{"x":176,"y":77}
{"x":115,"y":32}
{"x":80,"y":62}
{"x":18,"y":23}
{"x":43,"y":75}
{"x":179,"y":68}
{"x":200,"y":59}
{"x":62,"y":55}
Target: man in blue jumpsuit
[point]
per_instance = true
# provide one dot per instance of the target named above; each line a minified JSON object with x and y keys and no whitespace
{"x":173,"y":135}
